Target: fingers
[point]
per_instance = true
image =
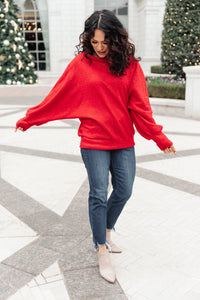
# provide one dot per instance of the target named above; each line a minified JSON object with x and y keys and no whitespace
{"x":173,"y":149}
{"x":20,"y":128}
{"x":170,"y":149}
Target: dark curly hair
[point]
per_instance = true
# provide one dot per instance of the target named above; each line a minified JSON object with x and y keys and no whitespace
{"x":120,"y":49}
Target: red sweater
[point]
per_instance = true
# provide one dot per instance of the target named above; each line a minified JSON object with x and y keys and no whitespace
{"x":106,"y":105}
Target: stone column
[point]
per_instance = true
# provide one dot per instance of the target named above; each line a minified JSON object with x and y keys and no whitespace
{"x":192,"y":97}
{"x":66,"y":22}
{"x":150,"y":17}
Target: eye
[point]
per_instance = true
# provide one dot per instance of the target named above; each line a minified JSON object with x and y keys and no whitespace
{"x":93,"y":42}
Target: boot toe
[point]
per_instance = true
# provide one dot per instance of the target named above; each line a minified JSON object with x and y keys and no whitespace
{"x":108,"y":275}
{"x":114,"y":248}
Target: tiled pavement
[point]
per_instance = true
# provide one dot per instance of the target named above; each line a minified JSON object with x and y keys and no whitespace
{"x":45,"y":241}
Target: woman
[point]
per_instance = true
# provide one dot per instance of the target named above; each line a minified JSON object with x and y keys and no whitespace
{"x":105,"y":88}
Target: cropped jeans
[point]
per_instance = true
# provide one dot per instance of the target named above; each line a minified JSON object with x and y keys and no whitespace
{"x":103,"y":212}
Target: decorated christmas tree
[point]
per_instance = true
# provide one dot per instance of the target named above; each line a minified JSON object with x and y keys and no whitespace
{"x":181,"y":36}
{"x":16,"y":63}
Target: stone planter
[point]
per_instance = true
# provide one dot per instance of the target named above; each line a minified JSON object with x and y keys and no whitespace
{"x":192,"y":95}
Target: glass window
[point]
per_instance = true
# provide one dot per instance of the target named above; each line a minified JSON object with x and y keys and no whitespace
{"x":34,"y":26}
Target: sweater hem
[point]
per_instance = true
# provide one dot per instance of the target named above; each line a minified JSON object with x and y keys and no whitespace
{"x":100,"y":146}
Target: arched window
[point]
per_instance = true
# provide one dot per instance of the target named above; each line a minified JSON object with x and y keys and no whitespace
{"x":35,"y":30}
{"x":119,"y":7}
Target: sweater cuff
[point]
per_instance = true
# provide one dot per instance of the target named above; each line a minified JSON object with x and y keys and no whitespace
{"x":23,"y":123}
{"x":162,"y":141}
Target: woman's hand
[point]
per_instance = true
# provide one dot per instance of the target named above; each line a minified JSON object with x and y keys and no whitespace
{"x":170,"y":149}
{"x":20,"y":128}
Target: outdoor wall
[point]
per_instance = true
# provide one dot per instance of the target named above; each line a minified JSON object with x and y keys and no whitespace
{"x":66,"y":21}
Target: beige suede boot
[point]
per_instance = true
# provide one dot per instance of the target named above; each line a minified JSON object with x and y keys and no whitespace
{"x":113,"y":248}
{"x":105,"y":267}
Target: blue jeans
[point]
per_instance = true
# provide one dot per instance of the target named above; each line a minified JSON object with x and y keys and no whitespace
{"x":103,"y":212}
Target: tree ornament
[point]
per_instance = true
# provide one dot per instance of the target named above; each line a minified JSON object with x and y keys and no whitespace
{"x":31,"y":64}
{"x":14,"y":47}
{"x":7,"y":70}
{"x":0,"y":68}
{"x":2,"y":16}
{"x":20,"y":65}
{"x":6,"y":21}
{"x":6,"y":43}
{"x":7,"y":4}
{"x":2,"y":57}
{"x":14,"y":24}
{"x":11,"y":31}
{"x":8,"y":81}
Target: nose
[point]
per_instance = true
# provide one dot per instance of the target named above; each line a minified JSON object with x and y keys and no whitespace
{"x":99,"y":47}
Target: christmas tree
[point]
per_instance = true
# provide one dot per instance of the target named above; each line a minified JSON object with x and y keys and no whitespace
{"x":16,"y":63}
{"x":181,"y":36}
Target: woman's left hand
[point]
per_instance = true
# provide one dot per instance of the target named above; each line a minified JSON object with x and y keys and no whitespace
{"x":170,"y":149}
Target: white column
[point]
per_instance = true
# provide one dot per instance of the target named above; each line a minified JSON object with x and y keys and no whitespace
{"x":150,"y":25}
{"x":133,"y":28}
{"x":192,"y":97}
{"x":66,"y":22}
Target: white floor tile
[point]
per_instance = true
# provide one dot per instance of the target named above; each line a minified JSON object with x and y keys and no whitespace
{"x":51,"y":182}
{"x":151,"y":230}
{"x":67,"y":141}
{"x":178,"y":124}
{"x":185,"y":168}
{"x":14,"y":234}
{"x":55,"y":290}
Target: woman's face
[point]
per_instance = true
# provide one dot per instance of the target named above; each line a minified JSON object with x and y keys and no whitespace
{"x":99,"y":44}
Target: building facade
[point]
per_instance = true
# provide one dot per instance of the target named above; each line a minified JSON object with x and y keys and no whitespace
{"x":52,"y":29}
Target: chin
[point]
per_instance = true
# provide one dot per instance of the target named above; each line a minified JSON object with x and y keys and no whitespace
{"x":103,"y":55}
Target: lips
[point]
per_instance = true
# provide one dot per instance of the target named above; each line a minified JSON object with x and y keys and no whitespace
{"x":101,"y":53}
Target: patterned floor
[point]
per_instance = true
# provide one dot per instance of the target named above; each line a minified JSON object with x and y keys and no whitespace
{"x":45,"y":241}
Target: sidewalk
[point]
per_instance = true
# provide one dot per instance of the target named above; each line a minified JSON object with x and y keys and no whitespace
{"x":46,"y":250}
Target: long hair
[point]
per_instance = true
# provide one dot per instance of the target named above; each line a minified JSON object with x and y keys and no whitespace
{"x":120,"y":49}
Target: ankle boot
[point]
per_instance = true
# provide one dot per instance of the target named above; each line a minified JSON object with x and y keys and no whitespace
{"x":112,"y":247}
{"x":105,"y":267}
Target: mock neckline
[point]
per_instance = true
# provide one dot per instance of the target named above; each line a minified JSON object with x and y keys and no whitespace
{"x":97,"y":59}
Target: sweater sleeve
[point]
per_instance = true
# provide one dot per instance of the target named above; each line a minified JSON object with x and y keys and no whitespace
{"x":141,"y":112}
{"x":62,"y":102}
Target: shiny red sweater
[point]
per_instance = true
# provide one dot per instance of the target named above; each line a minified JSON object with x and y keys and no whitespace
{"x":106,"y":105}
